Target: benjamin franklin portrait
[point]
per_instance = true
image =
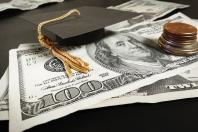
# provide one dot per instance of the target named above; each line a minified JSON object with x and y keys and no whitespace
{"x":124,"y":54}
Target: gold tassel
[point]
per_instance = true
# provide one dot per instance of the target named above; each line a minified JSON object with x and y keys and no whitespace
{"x":69,"y":61}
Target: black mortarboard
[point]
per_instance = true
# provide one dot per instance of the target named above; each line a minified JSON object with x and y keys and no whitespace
{"x":87,"y":27}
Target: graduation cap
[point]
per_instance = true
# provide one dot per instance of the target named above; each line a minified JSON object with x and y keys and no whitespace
{"x":88,"y":25}
{"x":85,"y":28}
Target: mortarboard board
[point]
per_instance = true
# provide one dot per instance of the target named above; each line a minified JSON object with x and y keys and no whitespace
{"x":87,"y":27}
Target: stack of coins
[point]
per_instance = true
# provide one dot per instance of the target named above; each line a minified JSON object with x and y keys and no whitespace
{"x":179,"y":39}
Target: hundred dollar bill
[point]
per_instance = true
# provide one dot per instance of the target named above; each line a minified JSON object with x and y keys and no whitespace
{"x":4,"y":84}
{"x":181,"y":86}
{"x":40,"y":91}
{"x":149,"y":9}
{"x":151,"y":31}
{"x":25,"y":4}
{"x":178,"y":87}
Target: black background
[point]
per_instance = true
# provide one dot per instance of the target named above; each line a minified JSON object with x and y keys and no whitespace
{"x":181,"y":115}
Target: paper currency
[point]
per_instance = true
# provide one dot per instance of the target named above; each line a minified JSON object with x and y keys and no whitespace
{"x":149,"y":9}
{"x":181,"y":86}
{"x":40,"y":90}
{"x":151,"y":31}
{"x":25,"y":4}
{"x":130,"y":6}
{"x":4,"y":84}
{"x":178,"y":87}
{"x":4,"y":96}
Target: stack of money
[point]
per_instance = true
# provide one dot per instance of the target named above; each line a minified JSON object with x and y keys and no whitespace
{"x":121,"y":65}
{"x":124,"y":70}
{"x":179,"y":39}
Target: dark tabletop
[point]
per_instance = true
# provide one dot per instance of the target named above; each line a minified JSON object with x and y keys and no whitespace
{"x":181,"y":115}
